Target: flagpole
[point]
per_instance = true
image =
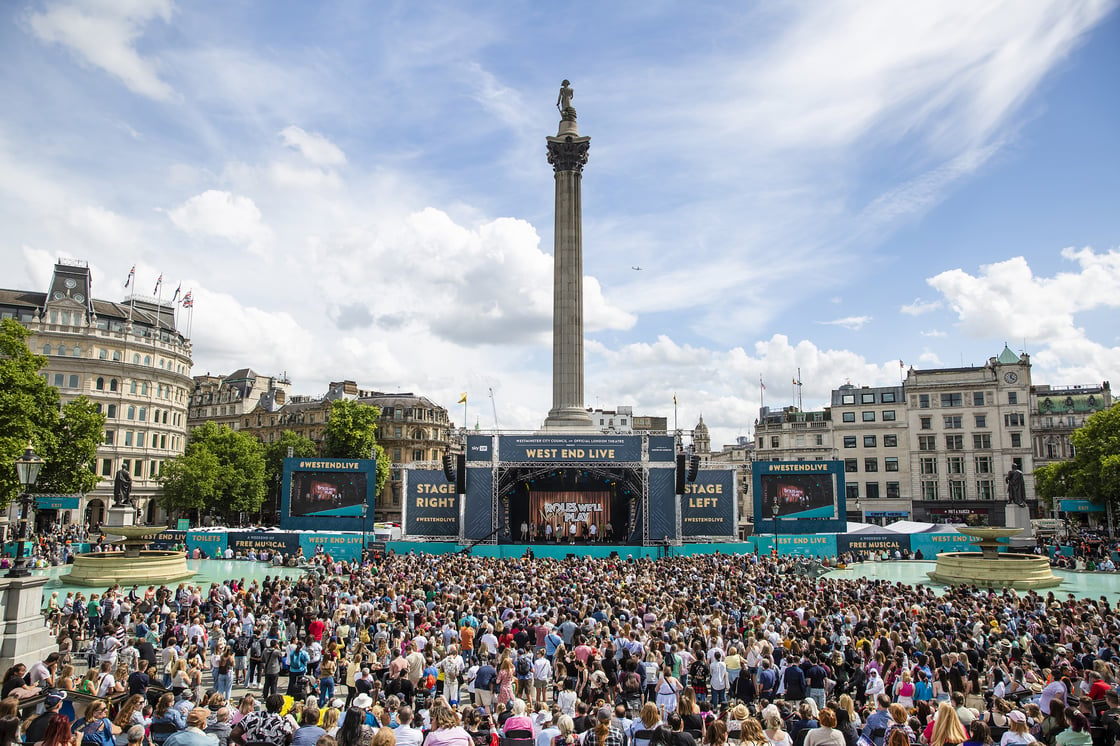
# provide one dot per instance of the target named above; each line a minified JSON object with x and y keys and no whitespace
{"x":761,"y":392}
{"x":800,"y":403}
{"x":676,"y":429}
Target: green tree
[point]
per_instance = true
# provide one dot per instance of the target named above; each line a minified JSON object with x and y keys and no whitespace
{"x":276,"y":451}
{"x":66,"y":438}
{"x":237,"y":469}
{"x":1094,"y":472}
{"x":351,"y":432}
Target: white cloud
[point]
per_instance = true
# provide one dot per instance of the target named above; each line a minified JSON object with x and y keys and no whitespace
{"x":919,"y":307}
{"x":224,"y":215}
{"x":316,"y":148}
{"x":934,"y":333}
{"x":855,"y":323}
{"x":104,"y":34}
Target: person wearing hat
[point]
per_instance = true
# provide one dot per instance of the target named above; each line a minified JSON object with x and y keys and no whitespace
{"x":1018,"y":734}
{"x":38,"y":727}
{"x":193,"y":734}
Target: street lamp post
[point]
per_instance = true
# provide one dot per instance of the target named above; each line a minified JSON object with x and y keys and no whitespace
{"x":27,"y":469}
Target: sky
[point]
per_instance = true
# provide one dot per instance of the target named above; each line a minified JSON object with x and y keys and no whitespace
{"x":360,"y":190}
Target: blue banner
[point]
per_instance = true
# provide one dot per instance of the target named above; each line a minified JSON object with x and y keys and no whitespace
{"x":477,"y":523}
{"x":1080,"y":506}
{"x":798,"y":497}
{"x":945,"y":541}
{"x":56,"y":502}
{"x":327,"y":493}
{"x":245,"y":541}
{"x":662,"y":505}
{"x":708,"y":505}
{"x":212,"y":543}
{"x":340,"y":546}
{"x":585,"y":448}
{"x":480,"y":447}
{"x":662,"y":448}
{"x":872,"y":543}
{"x":810,"y":545}
{"x":168,"y":539}
{"x":431,"y":507}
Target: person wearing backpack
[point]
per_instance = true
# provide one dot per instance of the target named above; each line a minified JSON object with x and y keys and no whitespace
{"x":523,"y":670}
{"x":452,"y":667}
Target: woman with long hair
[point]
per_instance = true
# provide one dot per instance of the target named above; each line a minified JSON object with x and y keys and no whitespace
{"x":1077,"y":734}
{"x":1018,"y":734}
{"x":853,"y":715}
{"x":354,"y":731}
{"x":772,"y":719}
{"x":825,"y":734}
{"x":978,"y":734}
{"x":130,"y":714}
{"x":649,"y":717}
{"x":689,"y":712}
{"x":715,"y":734}
{"x":750,"y":732}
{"x":947,"y":728}
{"x":58,"y":732}
{"x":446,"y":730}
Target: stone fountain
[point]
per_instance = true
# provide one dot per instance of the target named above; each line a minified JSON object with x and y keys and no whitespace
{"x":132,"y":564}
{"x":991,"y":568}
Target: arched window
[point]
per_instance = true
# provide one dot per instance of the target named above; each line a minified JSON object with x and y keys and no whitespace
{"x":117,"y":355}
{"x":143,"y":413}
{"x":73,"y":382}
{"x":165,"y":416}
{"x":100,"y":385}
{"x":147,"y":360}
{"x":62,"y":350}
{"x":132,"y":387}
{"x":112,"y":384}
{"x":46,"y":349}
{"x":136,"y":358}
{"x":130,"y":413}
{"x":76,"y":351}
{"x":112,"y":412}
{"x":144,"y":389}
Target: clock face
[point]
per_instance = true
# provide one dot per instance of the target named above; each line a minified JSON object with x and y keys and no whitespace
{"x":70,"y":283}
{"x":1011,"y":377}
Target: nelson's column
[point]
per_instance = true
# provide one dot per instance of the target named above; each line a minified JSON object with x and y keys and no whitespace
{"x":567,"y":152}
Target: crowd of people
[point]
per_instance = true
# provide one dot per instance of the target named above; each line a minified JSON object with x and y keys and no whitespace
{"x":459,"y":650}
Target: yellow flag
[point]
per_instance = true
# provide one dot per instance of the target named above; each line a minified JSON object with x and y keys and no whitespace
{"x":463,"y":398}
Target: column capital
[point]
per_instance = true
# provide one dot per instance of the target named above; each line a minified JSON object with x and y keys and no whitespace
{"x":568,"y":153}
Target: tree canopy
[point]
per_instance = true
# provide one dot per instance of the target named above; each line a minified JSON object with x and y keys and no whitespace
{"x":65,"y":437}
{"x":221,"y":470}
{"x":351,"y":432}
{"x":1094,"y":472}
{"x":276,"y":451}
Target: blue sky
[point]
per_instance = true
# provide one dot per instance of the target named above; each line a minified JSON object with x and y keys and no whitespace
{"x":359,"y":190}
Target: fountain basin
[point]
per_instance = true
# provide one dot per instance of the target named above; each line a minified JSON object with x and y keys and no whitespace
{"x":990,"y":568}
{"x":132,"y":565}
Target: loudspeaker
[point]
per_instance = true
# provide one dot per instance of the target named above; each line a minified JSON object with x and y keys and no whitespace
{"x":693,"y":468}
{"x":448,"y":468}
{"x":461,"y":474}
{"x":682,"y":462}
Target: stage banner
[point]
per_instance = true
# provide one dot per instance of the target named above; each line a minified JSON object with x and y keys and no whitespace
{"x":213,"y":543}
{"x":168,"y":539}
{"x":477,"y":519}
{"x":586,"y":448}
{"x":945,"y":541}
{"x":340,"y":546}
{"x":708,"y":505}
{"x":564,"y":510}
{"x":662,"y":505}
{"x":246,"y":541}
{"x":662,"y":448}
{"x":810,"y":546}
{"x":327,"y":493}
{"x":872,"y":543}
{"x":480,"y":447}
{"x":798,"y":497}
{"x":431,"y":507}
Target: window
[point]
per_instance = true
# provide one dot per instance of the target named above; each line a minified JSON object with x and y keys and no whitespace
{"x":872,"y":490}
{"x":928,"y":465}
{"x":954,"y":422}
{"x":954,"y":442}
{"x":46,"y":349}
{"x":868,"y":416}
{"x":112,"y":384}
{"x":109,"y":434}
{"x":130,"y":413}
{"x":1012,"y":397}
{"x":851,"y":491}
{"x":983,"y":464}
{"x":73,"y":382}
{"x":139,"y":440}
{"x":929,"y":490}
{"x":143,"y":414}
{"x":136,"y":358}
{"x":396,"y":454}
{"x":147,"y":360}
{"x":923,"y":401}
{"x":977,"y":398}
{"x":887,"y":397}
{"x":58,"y":380}
{"x":849,"y":417}
{"x":867,"y":398}
{"x":888,"y":415}
{"x":982,"y":441}
{"x":102,"y":354}
{"x":956,"y":489}
{"x":138,"y":469}
{"x":926,"y":423}
{"x":116,"y":356}
{"x":774,"y":441}
{"x":106,"y":467}
{"x":848,"y":399}
{"x":890,"y":441}
{"x":952,"y":400}
{"x":869,"y":441}
{"x":1016,"y":440}
{"x":986,"y":489}
{"x":956,"y":464}
{"x":1015,"y":419}
{"x":890,"y":463}
{"x":153,"y":470}
{"x":820,"y":439}
{"x":99,"y":384}
{"x":111,"y":411}
{"x":128,"y":437}
{"x":132,"y":387}
{"x":871,"y":464}
{"x":927,"y":442}
{"x":163,"y":442}
{"x":851,"y":465}
{"x":144,"y":389}
{"x":417,"y":455}
{"x":1051,"y":451}
{"x":849,"y":441}
{"x":893,"y":490}
{"x":981,"y":421}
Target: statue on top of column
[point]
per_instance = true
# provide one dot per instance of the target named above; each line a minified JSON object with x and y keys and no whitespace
{"x":564,"y":102}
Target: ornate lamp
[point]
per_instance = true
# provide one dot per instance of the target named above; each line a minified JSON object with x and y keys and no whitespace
{"x":28,"y":466}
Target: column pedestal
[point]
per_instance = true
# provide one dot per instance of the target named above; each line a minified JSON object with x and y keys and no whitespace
{"x":25,"y":637}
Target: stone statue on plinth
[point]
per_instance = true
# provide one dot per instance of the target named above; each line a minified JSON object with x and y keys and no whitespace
{"x":1016,"y":488}
{"x":122,"y":487}
{"x":564,"y":102}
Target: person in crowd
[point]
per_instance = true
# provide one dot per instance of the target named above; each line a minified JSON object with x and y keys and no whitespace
{"x":1019,"y":733}
{"x":193,"y":734}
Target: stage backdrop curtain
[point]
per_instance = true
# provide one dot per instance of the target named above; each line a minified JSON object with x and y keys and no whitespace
{"x":564,"y":508}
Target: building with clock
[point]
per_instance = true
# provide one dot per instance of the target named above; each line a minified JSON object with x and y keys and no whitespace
{"x":968,"y":427}
{"x":132,"y":361}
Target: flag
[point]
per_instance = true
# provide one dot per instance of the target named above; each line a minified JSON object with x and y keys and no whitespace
{"x":760,"y":383}
{"x":177,"y":292}
{"x":796,"y":382}
{"x":463,"y":398}
{"x":674,"y":399}
{"x":900,"y":365}
{"x":188,"y":300}
{"x":131,"y":274}
{"x":159,"y":282}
